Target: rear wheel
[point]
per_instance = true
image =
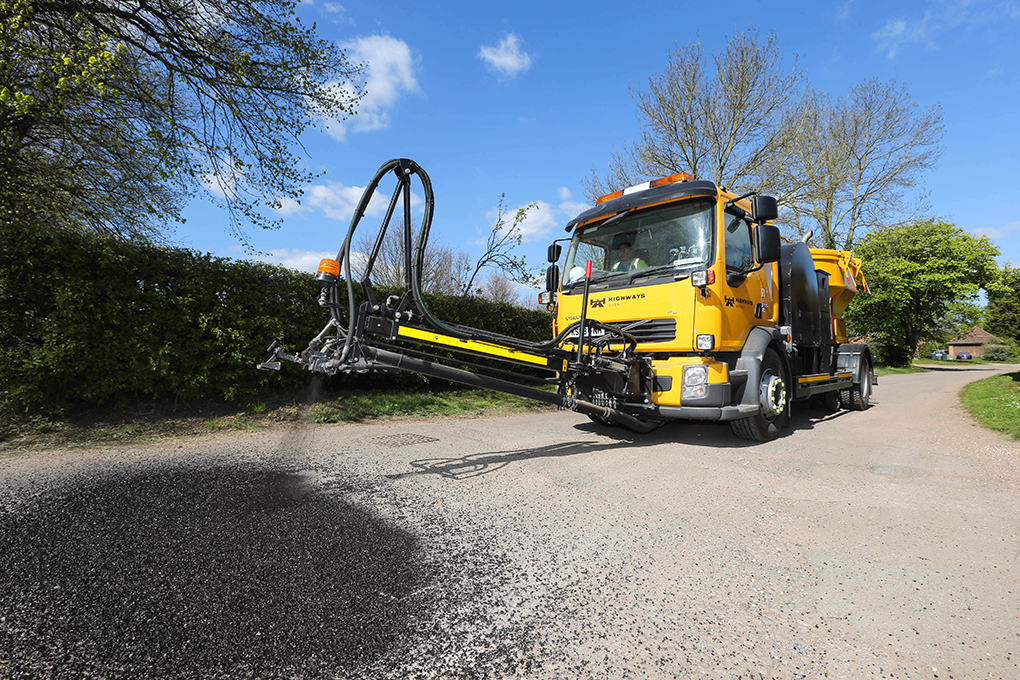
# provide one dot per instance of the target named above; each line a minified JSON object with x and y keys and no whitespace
{"x":858,"y":397}
{"x":773,"y":400}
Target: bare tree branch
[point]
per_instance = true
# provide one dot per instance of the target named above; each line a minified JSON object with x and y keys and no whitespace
{"x":504,"y":236}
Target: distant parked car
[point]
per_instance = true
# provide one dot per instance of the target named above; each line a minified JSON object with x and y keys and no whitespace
{"x":940,"y":354}
{"x":964,"y":355}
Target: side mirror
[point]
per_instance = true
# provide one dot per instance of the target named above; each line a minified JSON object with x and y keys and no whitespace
{"x":764,"y":209}
{"x":554,"y":252}
{"x":767,"y":243}
{"x":552,"y":277}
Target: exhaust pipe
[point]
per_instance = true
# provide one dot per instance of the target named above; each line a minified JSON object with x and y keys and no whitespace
{"x":626,"y":420}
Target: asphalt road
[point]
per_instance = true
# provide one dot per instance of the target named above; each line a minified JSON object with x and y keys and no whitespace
{"x":859,"y":545}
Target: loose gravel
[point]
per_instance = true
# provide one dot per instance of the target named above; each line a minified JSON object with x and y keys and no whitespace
{"x":880,"y":544}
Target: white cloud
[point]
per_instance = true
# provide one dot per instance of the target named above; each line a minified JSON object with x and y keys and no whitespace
{"x":301,"y":260}
{"x":890,"y":36}
{"x":940,"y":19}
{"x":997,"y":232}
{"x":543,"y":219}
{"x":308,"y":260}
{"x":844,"y":11}
{"x":337,"y":201}
{"x":334,"y":8}
{"x":389,"y":74}
{"x":536,"y":225}
{"x":571,"y":209}
{"x":992,"y":74}
{"x":568,"y":208}
{"x":506,"y":58}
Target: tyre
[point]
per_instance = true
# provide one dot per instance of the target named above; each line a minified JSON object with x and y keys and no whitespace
{"x":774,"y":401}
{"x":858,"y":397}
{"x":860,"y":394}
{"x":830,"y":401}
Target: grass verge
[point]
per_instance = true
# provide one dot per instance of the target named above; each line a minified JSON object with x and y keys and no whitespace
{"x":995,"y":402}
{"x":375,"y":404}
{"x":897,"y":370}
{"x":145,"y":422}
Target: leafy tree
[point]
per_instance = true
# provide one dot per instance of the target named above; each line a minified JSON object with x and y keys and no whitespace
{"x":728,"y":119}
{"x":1003,"y":311}
{"x":916,"y":271}
{"x":961,"y":316}
{"x":112,"y":114}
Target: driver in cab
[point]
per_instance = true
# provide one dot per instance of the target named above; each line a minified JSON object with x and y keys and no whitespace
{"x":625,"y":258}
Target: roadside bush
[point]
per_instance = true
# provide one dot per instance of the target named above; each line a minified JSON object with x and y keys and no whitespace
{"x":995,"y":352}
{"x":925,"y":349}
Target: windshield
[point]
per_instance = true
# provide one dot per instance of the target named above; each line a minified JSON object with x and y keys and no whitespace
{"x":677,"y":236}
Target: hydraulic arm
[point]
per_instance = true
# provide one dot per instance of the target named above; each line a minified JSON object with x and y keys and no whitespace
{"x":587,"y":357}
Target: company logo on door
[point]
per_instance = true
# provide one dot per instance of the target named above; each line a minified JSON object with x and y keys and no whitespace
{"x":615,"y":300}
{"x":729,"y":301}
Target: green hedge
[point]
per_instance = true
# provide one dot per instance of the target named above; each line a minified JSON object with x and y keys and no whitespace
{"x":85,"y":320}
{"x":995,"y":352}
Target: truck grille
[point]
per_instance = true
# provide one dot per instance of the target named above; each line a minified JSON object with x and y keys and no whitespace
{"x":650,"y":330}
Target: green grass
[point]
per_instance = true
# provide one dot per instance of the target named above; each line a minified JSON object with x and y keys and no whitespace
{"x":995,"y":402}
{"x":141,"y":422}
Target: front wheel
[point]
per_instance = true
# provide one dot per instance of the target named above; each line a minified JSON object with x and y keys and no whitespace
{"x":773,"y":401}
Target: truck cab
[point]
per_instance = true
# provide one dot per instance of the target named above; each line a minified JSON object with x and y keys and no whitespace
{"x":698,"y":276}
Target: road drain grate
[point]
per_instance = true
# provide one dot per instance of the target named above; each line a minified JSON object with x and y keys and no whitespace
{"x":407,"y":439}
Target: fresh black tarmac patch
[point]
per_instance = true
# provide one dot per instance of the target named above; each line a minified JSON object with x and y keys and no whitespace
{"x":201,"y":572}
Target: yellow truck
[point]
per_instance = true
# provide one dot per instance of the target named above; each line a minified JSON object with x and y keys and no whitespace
{"x":676,"y":300}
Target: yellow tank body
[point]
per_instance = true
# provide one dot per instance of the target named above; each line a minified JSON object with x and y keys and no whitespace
{"x":845,"y":280}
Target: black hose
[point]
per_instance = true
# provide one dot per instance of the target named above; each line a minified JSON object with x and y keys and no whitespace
{"x":405,"y":167}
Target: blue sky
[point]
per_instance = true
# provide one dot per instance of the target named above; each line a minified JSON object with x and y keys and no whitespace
{"x":524,"y":99}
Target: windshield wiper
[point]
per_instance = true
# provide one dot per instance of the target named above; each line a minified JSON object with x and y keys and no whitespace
{"x":648,"y":271}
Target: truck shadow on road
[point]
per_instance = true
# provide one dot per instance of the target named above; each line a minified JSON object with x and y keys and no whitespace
{"x":712,"y":435}
{"x":483,"y":463}
{"x":715,"y":435}
{"x":807,"y":417}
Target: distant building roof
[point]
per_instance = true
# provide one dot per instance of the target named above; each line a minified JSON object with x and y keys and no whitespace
{"x":976,"y":336}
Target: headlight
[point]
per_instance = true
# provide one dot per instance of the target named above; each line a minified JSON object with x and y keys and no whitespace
{"x":695,"y":375}
{"x":695,"y":382}
{"x":703,"y":277}
{"x":705,"y":342}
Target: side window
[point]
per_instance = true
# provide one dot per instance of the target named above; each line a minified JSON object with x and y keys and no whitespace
{"x":739,"y":254}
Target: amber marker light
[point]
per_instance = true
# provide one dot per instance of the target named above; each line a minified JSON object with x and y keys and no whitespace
{"x":328,"y":273}
{"x":662,"y":181}
{"x":608,"y":197}
{"x":672,"y":179}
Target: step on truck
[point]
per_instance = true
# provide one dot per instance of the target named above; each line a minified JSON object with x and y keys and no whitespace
{"x":676,"y":300}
